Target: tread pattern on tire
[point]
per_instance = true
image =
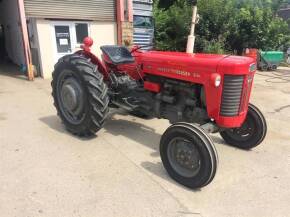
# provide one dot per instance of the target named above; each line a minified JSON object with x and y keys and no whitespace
{"x":208,"y":142}
{"x":241,"y":145}
{"x":208,"y":145}
{"x":264,"y":122}
{"x":95,"y":89}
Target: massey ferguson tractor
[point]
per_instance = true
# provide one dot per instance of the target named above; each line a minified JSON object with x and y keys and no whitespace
{"x":199,"y":94}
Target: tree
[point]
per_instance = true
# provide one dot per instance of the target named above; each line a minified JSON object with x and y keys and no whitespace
{"x":165,"y":3}
{"x":256,"y":25}
{"x":172,"y":26}
{"x":213,"y":25}
{"x":225,"y":25}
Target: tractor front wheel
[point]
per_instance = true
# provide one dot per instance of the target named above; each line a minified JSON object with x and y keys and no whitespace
{"x":250,"y":134}
{"x":188,"y":155}
{"x":80,"y":95}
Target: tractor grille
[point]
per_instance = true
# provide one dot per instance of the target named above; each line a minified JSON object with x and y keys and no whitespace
{"x":232,"y":95}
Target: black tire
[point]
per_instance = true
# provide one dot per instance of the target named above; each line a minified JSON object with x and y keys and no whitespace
{"x":80,"y":95}
{"x":274,"y":67}
{"x":201,"y":155}
{"x":264,"y":67}
{"x":251,"y":134}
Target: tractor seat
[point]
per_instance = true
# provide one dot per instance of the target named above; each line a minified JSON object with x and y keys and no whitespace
{"x":118,"y":54}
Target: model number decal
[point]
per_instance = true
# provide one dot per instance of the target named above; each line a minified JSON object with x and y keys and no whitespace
{"x":180,"y":72}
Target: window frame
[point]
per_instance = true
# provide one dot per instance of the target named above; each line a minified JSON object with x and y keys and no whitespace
{"x":75,"y":31}
{"x":74,"y":45}
{"x":143,"y":27}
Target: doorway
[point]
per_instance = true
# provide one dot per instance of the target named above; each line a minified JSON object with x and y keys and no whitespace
{"x":68,"y":37}
{"x":14,"y":46}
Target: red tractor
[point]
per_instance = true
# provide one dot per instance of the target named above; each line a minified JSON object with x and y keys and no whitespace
{"x":198,"y":93}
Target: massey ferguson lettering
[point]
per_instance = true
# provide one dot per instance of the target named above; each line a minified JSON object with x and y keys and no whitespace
{"x":179,"y":72}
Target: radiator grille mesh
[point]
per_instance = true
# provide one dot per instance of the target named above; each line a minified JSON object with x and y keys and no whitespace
{"x":232,"y":95}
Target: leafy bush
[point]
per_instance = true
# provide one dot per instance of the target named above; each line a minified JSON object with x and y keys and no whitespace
{"x":214,"y":47}
{"x":172,"y":26}
{"x":225,"y":25}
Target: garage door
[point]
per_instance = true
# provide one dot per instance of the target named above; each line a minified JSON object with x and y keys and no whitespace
{"x":99,"y":10}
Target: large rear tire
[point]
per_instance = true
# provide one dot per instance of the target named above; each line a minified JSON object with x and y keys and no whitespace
{"x":80,"y":95}
{"x":251,"y":134}
{"x":188,"y":154}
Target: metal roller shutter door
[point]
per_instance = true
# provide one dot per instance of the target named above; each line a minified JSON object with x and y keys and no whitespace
{"x":99,"y":10}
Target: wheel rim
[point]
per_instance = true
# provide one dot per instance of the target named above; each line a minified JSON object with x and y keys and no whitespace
{"x":184,"y":157}
{"x":71,"y":97}
{"x":245,"y":132}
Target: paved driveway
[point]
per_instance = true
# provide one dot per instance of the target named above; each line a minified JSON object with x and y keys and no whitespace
{"x":44,"y":171}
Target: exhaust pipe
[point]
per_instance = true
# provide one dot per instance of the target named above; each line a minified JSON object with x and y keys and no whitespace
{"x":191,"y":37}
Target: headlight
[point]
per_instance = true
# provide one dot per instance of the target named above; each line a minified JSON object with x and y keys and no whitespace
{"x":253,"y":67}
{"x":216,"y":79}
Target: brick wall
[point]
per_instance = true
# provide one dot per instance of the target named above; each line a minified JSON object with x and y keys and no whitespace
{"x":127,"y":33}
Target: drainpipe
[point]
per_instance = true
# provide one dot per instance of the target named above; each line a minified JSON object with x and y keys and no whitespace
{"x":130,"y":11}
{"x":123,"y":21}
{"x":120,"y":19}
{"x":25,"y":39}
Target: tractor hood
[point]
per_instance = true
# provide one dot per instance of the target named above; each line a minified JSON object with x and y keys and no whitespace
{"x":187,"y":65}
{"x":205,"y":69}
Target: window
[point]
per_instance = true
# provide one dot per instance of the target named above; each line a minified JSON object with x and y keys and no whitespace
{"x":63,"y":40}
{"x":143,"y":22}
{"x":82,"y":31}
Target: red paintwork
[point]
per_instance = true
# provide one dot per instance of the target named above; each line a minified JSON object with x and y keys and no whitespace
{"x":153,"y":87}
{"x":88,"y":42}
{"x":253,"y":53}
{"x":213,"y":78}
{"x":195,"y":68}
{"x":198,"y":68}
{"x":102,"y":68}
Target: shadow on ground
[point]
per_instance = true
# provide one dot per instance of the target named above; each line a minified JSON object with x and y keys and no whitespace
{"x":132,"y":130}
{"x":10,"y":70}
{"x":147,"y":136}
{"x":157,"y":169}
{"x":55,"y":123}
{"x":137,"y":132}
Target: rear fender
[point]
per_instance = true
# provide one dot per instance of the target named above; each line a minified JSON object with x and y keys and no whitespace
{"x":96,"y":61}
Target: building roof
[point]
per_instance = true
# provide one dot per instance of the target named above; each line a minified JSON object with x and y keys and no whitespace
{"x":284,"y":13}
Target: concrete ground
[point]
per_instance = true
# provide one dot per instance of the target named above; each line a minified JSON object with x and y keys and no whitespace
{"x":44,"y":171}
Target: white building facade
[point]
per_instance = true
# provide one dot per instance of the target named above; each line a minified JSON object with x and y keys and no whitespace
{"x":39,"y":32}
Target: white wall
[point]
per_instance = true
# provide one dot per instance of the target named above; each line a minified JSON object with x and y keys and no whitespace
{"x":44,"y":35}
{"x":103,"y":33}
{"x":9,"y":16}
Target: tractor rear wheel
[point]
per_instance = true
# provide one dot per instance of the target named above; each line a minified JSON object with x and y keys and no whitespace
{"x":250,"y":134}
{"x":80,"y":95}
{"x":188,"y":154}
